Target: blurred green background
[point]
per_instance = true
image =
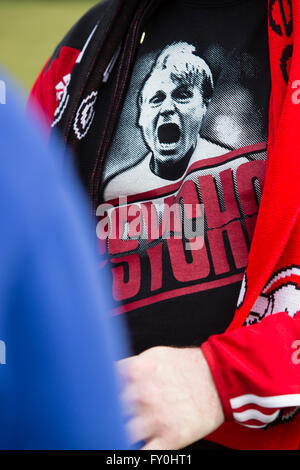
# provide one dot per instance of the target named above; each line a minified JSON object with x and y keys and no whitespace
{"x":30,"y":30}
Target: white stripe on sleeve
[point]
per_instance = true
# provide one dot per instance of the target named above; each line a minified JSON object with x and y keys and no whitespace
{"x":255,"y":414}
{"x":279,"y":401}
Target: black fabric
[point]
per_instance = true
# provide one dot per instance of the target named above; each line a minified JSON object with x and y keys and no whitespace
{"x":187,"y":306}
{"x":205,"y":445}
{"x":175,"y":322}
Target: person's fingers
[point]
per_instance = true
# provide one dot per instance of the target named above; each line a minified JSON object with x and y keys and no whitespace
{"x":130,"y":409}
{"x":130,"y":393}
{"x":131,"y":399}
{"x":155,"y":444}
{"x":140,"y":429}
{"x":123,"y":367}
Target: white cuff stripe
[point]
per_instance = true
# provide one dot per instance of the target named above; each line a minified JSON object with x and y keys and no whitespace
{"x":254,"y":426}
{"x":255,"y":414}
{"x":279,"y":401}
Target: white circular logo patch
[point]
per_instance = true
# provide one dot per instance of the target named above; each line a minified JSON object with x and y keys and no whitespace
{"x":85,"y":115}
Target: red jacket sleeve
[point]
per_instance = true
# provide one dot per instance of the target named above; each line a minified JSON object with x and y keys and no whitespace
{"x":256,"y":370}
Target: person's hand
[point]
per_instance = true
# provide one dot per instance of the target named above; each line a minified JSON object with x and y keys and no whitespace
{"x":170,"y":397}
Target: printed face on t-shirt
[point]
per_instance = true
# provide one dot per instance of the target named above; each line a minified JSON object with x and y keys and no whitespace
{"x":171,"y":116}
{"x":171,"y":102}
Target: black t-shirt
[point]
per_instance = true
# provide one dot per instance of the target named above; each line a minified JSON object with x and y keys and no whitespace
{"x":191,"y":139}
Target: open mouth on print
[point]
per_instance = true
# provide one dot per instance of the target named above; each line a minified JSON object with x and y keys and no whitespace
{"x":168,"y":133}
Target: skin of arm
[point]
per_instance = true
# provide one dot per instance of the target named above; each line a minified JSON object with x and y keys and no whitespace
{"x":170,"y":397}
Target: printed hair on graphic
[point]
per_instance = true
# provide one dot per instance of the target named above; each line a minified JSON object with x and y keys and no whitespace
{"x":184,"y":67}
